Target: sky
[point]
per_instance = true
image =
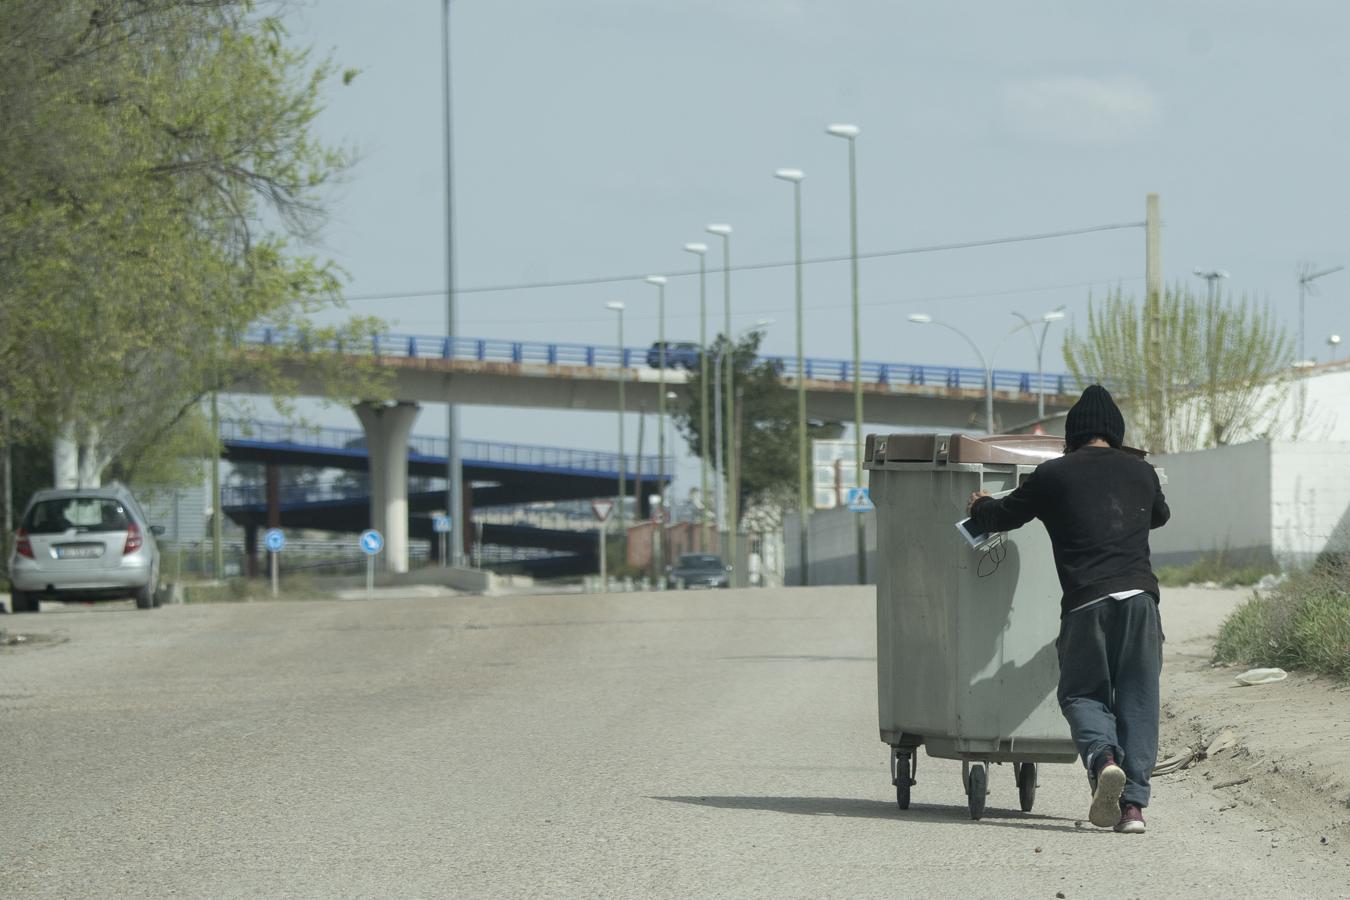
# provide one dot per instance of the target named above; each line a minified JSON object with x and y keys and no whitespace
{"x":596,"y":137}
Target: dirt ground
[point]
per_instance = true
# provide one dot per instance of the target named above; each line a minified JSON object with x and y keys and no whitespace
{"x":1281,"y":747}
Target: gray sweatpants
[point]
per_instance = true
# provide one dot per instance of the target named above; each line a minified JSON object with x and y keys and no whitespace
{"x":1110,"y":660}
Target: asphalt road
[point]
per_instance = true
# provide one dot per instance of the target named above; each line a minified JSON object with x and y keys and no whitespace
{"x":716,"y":744}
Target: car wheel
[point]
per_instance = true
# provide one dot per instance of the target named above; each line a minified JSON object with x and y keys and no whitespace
{"x":145,"y":596}
{"x":23,"y":602}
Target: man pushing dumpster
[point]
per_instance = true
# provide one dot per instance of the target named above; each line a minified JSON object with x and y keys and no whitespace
{"x":1098,"y":503}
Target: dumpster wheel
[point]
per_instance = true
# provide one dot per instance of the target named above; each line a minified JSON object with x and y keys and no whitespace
{"x":1026,"y":785}
{"x":976,"y":777}
{"x":904,"y":769}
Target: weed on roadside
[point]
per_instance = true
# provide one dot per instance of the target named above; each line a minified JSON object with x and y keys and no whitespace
{"x":1303,"y":623}
{"x":1215,"y":569}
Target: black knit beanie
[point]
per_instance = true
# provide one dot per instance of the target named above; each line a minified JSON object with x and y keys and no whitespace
{"x":1094,"y":415}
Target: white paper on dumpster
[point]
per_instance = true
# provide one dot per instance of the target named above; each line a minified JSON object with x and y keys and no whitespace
{"x":981,"y":541}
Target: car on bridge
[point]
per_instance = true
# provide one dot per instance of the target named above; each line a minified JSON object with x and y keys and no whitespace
{"x":84,"y":544}
{"x":698,"y":570}
{"x":679,"y":355}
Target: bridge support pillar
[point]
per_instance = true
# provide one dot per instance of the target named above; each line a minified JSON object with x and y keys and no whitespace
{"x":387,"y":427}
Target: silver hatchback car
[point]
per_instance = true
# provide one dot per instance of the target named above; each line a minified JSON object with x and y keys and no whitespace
{"x":86,"y":544}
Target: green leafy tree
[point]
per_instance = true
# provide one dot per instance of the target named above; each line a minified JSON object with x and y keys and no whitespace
{"x":160,"y":173}
{"x":1223,"y":365}
{"x":766,"y":424}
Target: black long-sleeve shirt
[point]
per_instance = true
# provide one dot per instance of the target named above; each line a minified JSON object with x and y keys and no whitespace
{"x":1097,"y":504}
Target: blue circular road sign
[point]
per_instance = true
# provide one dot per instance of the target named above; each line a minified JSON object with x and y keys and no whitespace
{"x":275,"y":540}
{"x":372,"y":541}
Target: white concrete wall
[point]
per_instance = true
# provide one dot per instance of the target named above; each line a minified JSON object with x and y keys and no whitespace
{"x":1283,"y":500}
{"x":1220,"y":502}
{"x":1309,"y":500}
{"x":832,"y":544}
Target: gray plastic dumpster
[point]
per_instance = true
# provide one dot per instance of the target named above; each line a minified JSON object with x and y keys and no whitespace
{"x":966,"y":662}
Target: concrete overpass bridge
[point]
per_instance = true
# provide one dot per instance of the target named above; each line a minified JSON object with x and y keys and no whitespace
{"x":555,"y":375}
{"x":552,"y":375}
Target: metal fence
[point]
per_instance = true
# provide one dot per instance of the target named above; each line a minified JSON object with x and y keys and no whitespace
{"x":413,"y":346}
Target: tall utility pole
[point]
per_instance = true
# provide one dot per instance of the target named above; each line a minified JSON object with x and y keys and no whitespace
{"x":795,"y":176}
{"x":623,"y":465}
{"x":660,"y":282}
{"x":850,"y":133}
{"x":702,"y":251}
{"x":1153,"y":282}
{"x":724,"y":232}
{"x":454,"y":486}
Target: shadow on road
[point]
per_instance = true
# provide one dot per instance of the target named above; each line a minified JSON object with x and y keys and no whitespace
{"x":875,"y":809}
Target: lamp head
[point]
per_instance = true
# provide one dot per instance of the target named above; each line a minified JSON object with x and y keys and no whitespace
{"x":844,"y":131}
{"x":1334,"y":340}
{"x":722,"y":230}
{"x":1054,"y":316}
{"x":658,"y":280}
{"x":615,"y":305}
{"x":793,"y":175}
{"x":921,"y":318}
{"x":700,"y":249}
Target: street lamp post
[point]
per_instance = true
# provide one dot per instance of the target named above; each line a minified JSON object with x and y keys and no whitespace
{"x":850,"y":133}
{"x":924,"y":319}
{"x":702,"y":251}
{"x":454,"y":485}
{"x":794,"y":177}
{"x":723,"y":464}
{"x":1045,"y":320}
{"x":623,"y":463}
{"x":724,"y":232}
{"x":1213,"y":276}
{"x":660,"y":282}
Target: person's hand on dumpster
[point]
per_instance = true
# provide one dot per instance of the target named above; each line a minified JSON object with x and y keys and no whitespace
{"x":975,"y":495}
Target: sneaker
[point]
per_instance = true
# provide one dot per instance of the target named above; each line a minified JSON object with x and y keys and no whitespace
{"x":1131,"y":819}
{"x":1105,"y":809}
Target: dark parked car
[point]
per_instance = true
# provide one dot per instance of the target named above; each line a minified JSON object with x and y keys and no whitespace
{"x":698,"y":570}
{"x":679,"y":355}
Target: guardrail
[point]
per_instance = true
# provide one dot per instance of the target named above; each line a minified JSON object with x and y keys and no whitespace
{"x":532,"y":456}
{"x":412,"y":346}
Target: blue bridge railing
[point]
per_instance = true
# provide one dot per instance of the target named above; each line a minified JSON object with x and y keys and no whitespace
{"x":531,"y":456}
{"x":413,"y":346}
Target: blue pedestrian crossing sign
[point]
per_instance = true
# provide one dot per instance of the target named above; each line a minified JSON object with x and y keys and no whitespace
{"x":859,"y":499}
{"x":372,"y":542}
{"x":440,"y":523}
{"x":274,"y":540}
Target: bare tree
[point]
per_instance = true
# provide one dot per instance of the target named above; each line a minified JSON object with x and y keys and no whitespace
{"x":1225,"y":367}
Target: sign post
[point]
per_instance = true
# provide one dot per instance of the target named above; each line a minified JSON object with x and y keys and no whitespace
{"x":602,"y":508}
{"x":372,"y":542}
{"x":859,"y":500}
{"x":275,"y":541}
{"x":440,"y":524}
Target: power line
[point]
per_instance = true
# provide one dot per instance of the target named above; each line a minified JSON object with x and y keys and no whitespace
{"x":747,"y":267}
{"x":818,"y":307}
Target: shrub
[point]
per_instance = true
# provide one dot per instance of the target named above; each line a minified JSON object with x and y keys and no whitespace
{"x":1303,"y":623}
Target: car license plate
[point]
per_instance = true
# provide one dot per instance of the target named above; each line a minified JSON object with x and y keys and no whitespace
{"x":79,"y":551}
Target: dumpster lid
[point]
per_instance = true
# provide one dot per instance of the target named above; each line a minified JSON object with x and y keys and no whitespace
{"x":1026,"y":449}
{"x":998,"y":449}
